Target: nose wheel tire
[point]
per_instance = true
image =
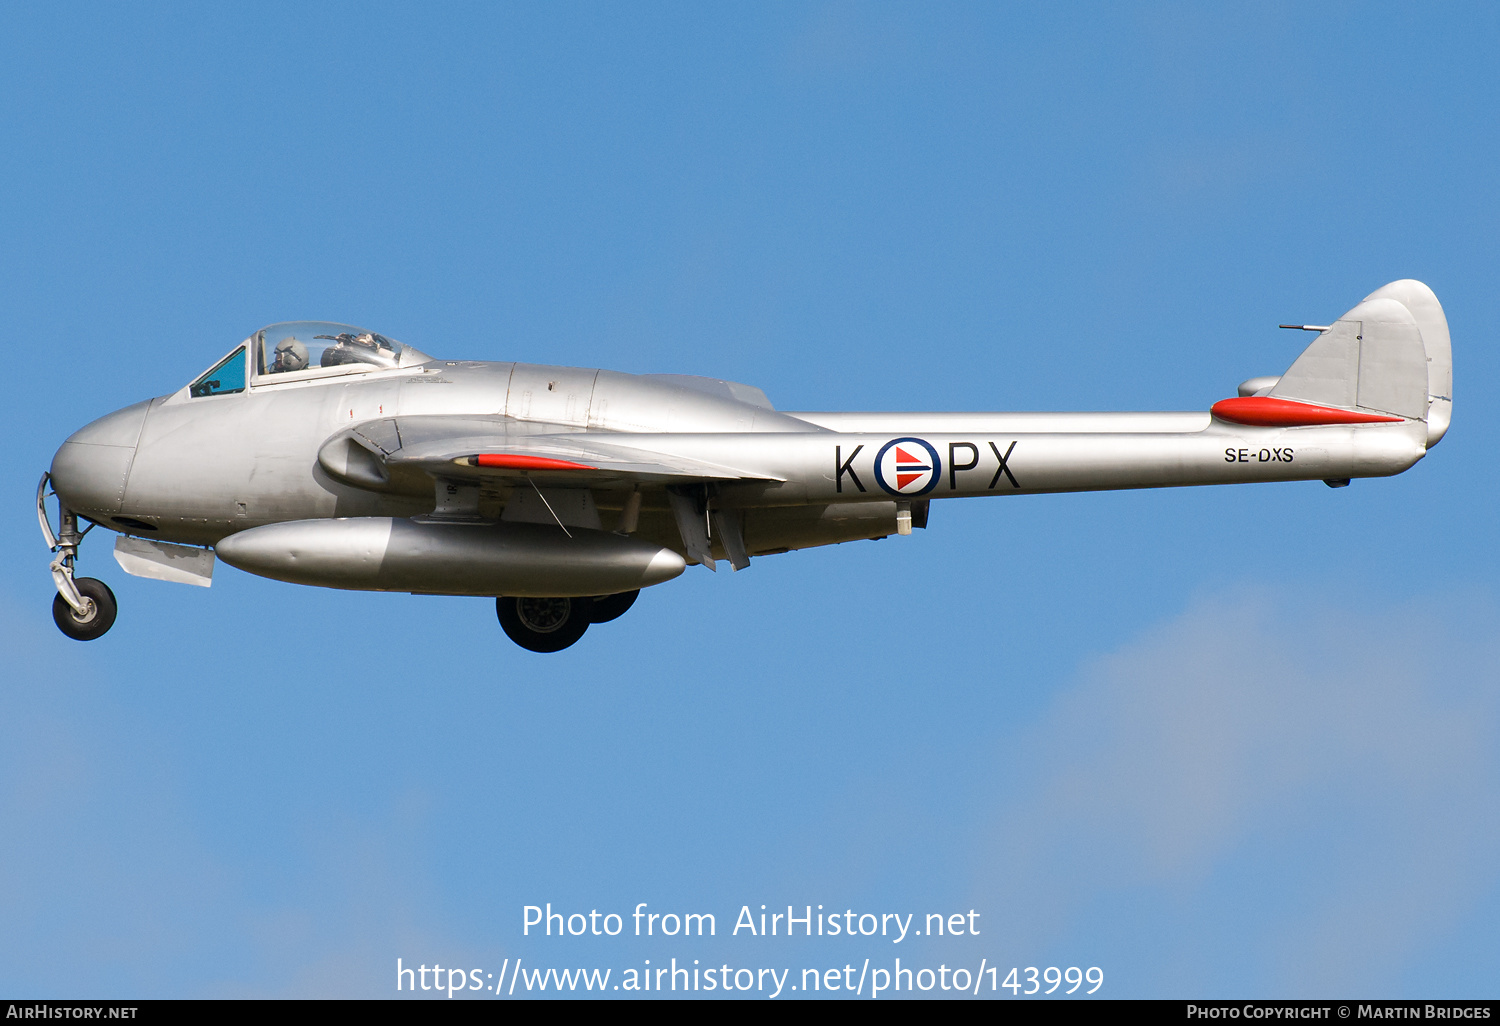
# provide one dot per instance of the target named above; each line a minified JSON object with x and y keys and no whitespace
{"x":543,"y":624}
{"x":100,"y":614}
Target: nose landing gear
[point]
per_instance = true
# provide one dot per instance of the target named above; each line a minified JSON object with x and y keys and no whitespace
{"x":84,"y":608}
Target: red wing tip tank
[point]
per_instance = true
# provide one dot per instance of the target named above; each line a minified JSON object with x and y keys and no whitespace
{"x":329,"y":455}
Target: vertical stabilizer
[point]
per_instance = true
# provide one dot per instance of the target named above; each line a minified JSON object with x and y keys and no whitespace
{"x":1390,"y":355}
{"x":1433,"y":324}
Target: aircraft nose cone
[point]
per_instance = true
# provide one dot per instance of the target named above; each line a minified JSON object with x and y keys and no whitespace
{"x":90,"y":469}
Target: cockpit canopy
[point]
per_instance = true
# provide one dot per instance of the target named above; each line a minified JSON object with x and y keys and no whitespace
{"x":303,"y":349}
{"x":299,"y":345}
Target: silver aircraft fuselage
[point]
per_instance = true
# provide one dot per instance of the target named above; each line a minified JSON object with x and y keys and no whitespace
{"x":465,"y":468}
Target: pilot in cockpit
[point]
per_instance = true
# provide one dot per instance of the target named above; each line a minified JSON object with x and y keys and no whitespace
{"x":290,"y":355}
{"x":364,"y":348}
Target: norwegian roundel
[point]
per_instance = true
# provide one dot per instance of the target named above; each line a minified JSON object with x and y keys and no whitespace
{"x":907,"y":466}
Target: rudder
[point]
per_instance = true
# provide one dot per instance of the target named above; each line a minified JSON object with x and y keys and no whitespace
{"x":1388,"y":355}
{"x":1433,"y":324}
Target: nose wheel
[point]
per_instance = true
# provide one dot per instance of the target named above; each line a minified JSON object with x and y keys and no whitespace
{"x":84,"y":607}
{"x":98,"y":614}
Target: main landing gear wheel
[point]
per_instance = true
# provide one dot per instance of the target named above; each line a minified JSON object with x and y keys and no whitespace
{"x":544,"y":624}
{"x":99,"y":615}
{"x":612,"y":607}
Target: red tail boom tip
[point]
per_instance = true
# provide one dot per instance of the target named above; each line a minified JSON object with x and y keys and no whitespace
{"x":1264,"y":411}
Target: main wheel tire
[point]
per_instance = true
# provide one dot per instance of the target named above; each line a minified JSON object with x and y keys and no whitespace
{"x":544,"y":624}
{"x":612,"y":607}
{"x":101,"y":616}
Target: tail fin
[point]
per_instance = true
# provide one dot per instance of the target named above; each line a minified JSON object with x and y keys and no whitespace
{"x":1433,"y":324}
{"x":1391,"y":354}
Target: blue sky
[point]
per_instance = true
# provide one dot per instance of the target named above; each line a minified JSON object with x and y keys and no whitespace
{"x":1225,"y":742}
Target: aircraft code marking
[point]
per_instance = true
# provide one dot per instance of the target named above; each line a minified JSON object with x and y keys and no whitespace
{"x":911,"y":466}
{"x":1258,"y":456}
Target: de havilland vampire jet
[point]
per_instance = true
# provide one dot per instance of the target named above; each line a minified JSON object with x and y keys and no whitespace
{"x":325,"y":454}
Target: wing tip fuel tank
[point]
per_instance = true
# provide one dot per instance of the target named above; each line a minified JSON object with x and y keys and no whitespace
{"x":393,"y":554}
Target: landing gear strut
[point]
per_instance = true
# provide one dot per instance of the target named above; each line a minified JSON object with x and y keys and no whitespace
{"x":84,"y":608}
{"x":552,"y":624}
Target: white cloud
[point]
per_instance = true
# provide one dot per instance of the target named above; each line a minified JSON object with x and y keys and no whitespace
{"x":1289,"y":799}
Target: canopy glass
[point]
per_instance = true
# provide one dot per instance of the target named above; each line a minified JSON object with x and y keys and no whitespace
{"x":301,"y":345}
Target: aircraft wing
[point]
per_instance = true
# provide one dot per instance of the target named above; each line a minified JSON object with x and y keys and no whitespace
{"x":374,"y":453}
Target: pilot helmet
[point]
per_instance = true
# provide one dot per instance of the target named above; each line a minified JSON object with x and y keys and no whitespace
{"x":291,"y":355}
